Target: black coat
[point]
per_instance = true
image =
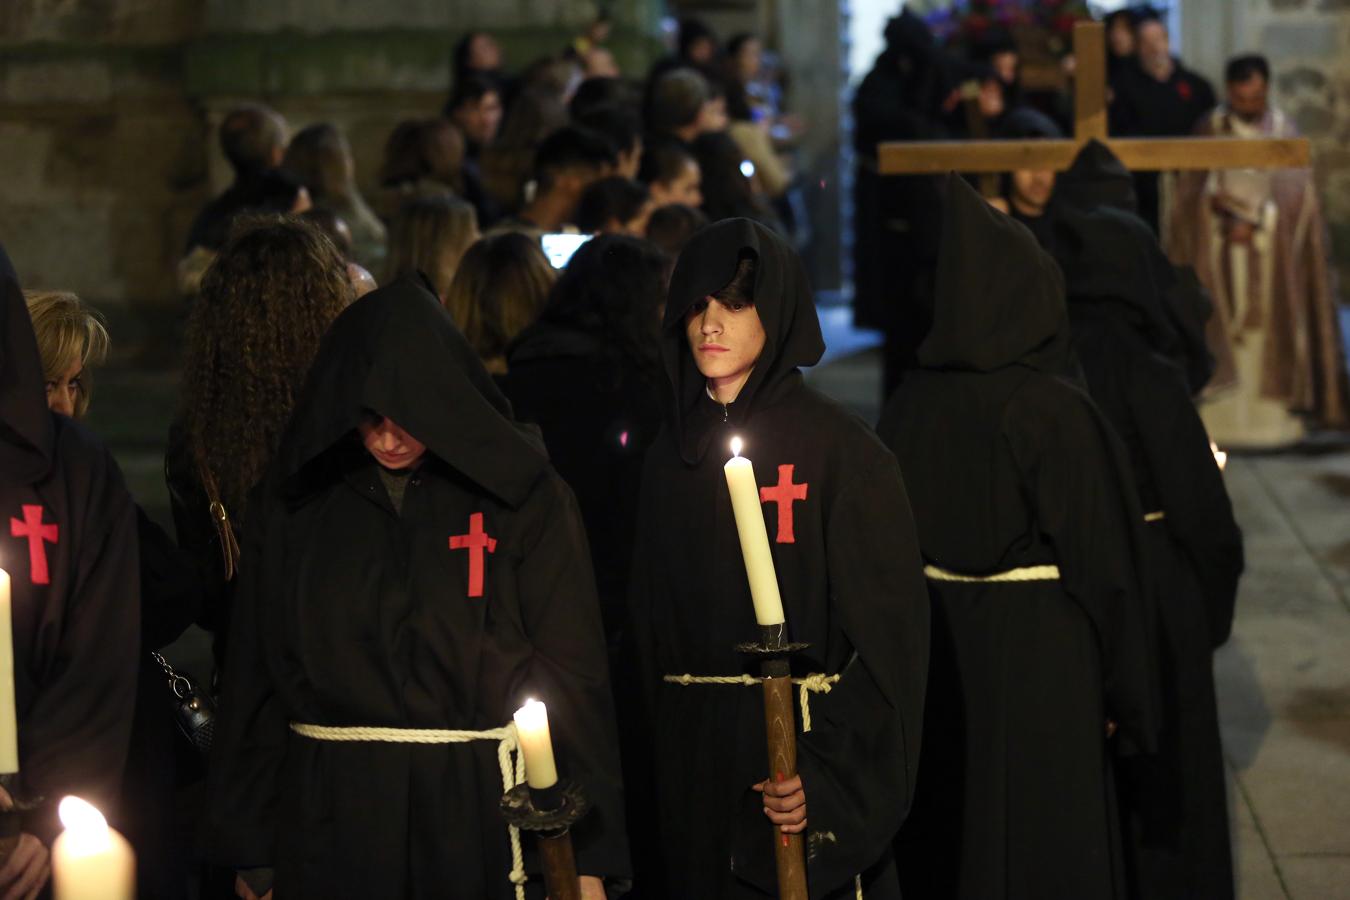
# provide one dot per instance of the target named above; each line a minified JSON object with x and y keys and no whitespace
{"x":1096,"y":180}
{"x":848,"y":567}
{"x":599,"y":412}
{"x":1011,"y":466}
{"x":349,"y":613}
{"x":1176,"y":802}
{"x":69,"y":546}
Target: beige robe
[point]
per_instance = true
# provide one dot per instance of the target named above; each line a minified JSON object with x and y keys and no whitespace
{"x":1274,"y":332}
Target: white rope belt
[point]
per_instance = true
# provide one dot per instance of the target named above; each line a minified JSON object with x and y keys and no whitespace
{"x":1012,"y":576}
{"x":507,"y":744}
{"x":811,"y":684}
{"x":1155,"y":516}
{"x":816,"y":683}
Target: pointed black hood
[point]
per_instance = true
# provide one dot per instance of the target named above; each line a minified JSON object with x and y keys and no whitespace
{"x":999,"y":298}
{"x":396,"y":352}
{"x":1096,"y":178}
{"x":27,"y":436}
{"x":1110,"y":256}
{"x":782,"y":298}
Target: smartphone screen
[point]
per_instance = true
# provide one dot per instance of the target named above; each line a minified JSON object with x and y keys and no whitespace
{"x":560,"y":247}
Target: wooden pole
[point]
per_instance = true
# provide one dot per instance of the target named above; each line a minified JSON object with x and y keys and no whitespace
{"x":560,"y":866}
{"x":1089,"y":84}
{"x":780,"y":725}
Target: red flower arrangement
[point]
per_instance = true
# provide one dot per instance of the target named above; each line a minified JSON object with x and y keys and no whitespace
{"x":967,"y":22}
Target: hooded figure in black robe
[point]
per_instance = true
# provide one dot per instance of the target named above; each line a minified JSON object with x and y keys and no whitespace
{"x":1011,"y":468}
{"x":1177,"y":817}
{"x":1098,"y":179}
{"x":441,"y":598}
{"x":68,"y":542}
{"x":846,"y":558}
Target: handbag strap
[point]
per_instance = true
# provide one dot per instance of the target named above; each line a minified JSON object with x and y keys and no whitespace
{"x":229,"y":544}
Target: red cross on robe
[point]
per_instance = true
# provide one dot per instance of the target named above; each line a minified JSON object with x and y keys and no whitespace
{"x":476,"y":541}
{"x":784,"y":494}
{"x":39,"y":536}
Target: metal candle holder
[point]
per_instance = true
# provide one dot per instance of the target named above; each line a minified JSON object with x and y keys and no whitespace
{"x":774,"y":653}
{"x":550,"y":814}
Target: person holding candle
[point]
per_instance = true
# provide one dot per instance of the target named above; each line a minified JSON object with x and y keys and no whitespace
{"x":413,"y":571}
{"x":1031,"y":531}
{"x":739,"y":323}
{"x":68,"y":544}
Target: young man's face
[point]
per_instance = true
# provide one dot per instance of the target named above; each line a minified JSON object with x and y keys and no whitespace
{"x":1120,"y":36}
{"x":1248,"y":99}
{"x":479,"y":119}
{"x":726,"y":338}
{"x":1032,"y":189}
{"x":684,"y":188}
{"x":391,"y":446}
{"x":1154,"y":47}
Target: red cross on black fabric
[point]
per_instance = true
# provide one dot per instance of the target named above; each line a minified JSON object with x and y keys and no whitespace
{"x":476,"y":541}
{"x":39,"y":536}
{"x":784,"y":493}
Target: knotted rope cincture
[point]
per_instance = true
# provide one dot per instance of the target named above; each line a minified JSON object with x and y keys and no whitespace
{"x":1018,"y":575}
{"x":815,"y":683}
{"x":507,"y":743}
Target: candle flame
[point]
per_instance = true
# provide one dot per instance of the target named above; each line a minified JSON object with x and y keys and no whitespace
{"x":736,"y":446}
{"x":80,"y":815}
{"x":1220,"y":457}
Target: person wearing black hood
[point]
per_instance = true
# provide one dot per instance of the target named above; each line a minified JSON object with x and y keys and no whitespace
{"x":1029,"y":526}
{"x":1098,"y":179}
{"x":900,"y":99}
{"x":70,"y":549}
{"x":739,"y":324}
{"x":1177,"y":836}
{"x":413,"y":571}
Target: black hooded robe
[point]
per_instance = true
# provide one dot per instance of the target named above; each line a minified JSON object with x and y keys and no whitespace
{"x":1011,"y":466}
{"x":68,"y":542}
{"x":847,"y":563}
{"x":446,"y":615}
{"x":1178,"y":842}
{"x":1098,"y":178}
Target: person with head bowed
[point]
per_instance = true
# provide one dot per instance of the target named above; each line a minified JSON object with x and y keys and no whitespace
{"x":412,"y":565}
{"x":740,"y":323}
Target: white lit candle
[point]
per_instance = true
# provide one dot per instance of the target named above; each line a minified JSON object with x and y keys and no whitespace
{"x":9,"y":724}
{"x":536,"y":745}
{"x":754,"y":538}
{"x":1220,"y":457}
{"x":90,"y":861}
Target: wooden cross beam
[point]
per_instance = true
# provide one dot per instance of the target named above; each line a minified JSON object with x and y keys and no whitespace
{"x":1138,"y":154}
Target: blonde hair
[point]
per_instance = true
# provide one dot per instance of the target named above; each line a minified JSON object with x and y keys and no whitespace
{"x":68,"y":332}
{"x":500,"y":288}
{"x":429,"y":235}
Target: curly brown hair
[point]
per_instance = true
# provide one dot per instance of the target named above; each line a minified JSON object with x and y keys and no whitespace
{"x":265,"y":304}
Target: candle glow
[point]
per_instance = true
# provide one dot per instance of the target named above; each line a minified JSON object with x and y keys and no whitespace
{"x":536,"y":745}
{"x":90,"y":861}
{"x":1220,"y":457}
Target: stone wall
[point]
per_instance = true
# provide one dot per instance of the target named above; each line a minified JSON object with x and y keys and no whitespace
{"x":108,"y":107}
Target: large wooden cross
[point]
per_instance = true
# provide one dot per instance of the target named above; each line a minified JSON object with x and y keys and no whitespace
{"x":1138,"y":154}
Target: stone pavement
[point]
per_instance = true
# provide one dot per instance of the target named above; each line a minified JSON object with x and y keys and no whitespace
{"x":1284,"y":678}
